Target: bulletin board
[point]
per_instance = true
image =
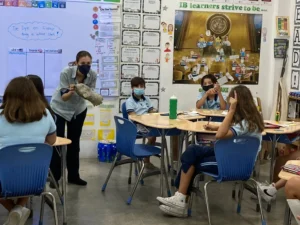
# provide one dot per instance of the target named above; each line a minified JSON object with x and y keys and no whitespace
{"x":140,"y":51}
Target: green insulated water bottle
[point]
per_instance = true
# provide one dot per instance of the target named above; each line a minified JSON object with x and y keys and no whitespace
{"x":173,"y":108}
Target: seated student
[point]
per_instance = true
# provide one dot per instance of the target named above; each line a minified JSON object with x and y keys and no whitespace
{"x":24,"y":118}
{"x":139,"y":104}
{"x":243,"y":118}
{"x":211,"y":97}
{"x":38,"y":83}
{"x":292,"y":190}
{"x":268,"y":192}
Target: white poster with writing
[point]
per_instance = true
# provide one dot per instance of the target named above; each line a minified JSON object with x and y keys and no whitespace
{"x":132,"y":5}
{"x":129,"y":71}
{"x":130,"y":55}
{"x":151,"y":38}
{"x":152,"y":6}
{"x":151,"y":55}
{"x":150,"y":72}
{"x":131,"y":37}
{"x":151,"y":22}
{"x":131,"y":21}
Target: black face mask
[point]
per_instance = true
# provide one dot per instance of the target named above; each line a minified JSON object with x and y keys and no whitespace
{"x":84,"y":69}
{"x":206,"y":88}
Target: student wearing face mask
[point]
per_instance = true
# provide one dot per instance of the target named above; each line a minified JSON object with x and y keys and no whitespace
{"x":138,"y":104}
{"x":211,"y":97}
{"x":71,"y":109}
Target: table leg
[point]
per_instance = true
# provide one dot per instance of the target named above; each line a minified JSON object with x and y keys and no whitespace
{"x":183,"y":136}
{"x":273,"y":158}
{"x":64,"y":184}
{"x":172,"y":162}
{"x":162,"y":162}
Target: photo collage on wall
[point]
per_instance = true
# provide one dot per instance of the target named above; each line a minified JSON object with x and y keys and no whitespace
{"x":295,"y":73}
{"x":140,"y":51}
{"x":226,"y":45}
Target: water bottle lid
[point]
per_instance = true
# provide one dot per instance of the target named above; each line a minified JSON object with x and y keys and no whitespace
{"x":173,"y":97}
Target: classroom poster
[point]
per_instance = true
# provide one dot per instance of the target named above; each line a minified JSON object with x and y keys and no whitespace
{"x":128,"y":71}
{"x":88,"y":135}
{"x":106,"y":134}
{"x":226,"y":44}
{"x":89,"y":120}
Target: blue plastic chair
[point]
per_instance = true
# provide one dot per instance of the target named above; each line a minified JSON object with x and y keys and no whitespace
{"x":235,"y":158}
{"x":23,"y":173}
{"x":125,"y":141}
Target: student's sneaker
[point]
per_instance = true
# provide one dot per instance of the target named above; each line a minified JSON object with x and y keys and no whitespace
{"x":14,"y":216}
{"x":268,"y":192}
{"x":173,"y":211}
{"x":149,"y":167}
{"x":25,"y":215}
{"x":178,"y":201}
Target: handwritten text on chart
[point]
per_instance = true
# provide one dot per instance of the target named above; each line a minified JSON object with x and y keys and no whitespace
{"x":35,"y":31}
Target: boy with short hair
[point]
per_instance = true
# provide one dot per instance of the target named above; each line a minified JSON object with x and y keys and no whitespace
{"x":138,"y":104}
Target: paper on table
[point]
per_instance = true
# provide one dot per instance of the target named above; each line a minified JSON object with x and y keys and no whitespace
{"x":294,"y":205}
{"x":224,"y":112}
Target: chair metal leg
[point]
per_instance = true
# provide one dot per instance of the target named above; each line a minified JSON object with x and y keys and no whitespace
{"x":136,"y":172}
{"x":110,"y":172}
{"x":167,"y":182}
{"x":54,"y":206}
{"x":42,"y":209}
{"x":136,"y":184}
{"x":206,"y":201}
{"x":56,"y":187}
{"x":240,"y":197}
{"x":167,"y":156}
{"x":130,"y":172}
{"x":139,"y":169}
{"x":263,"y":221}
{"x":195,"y":185}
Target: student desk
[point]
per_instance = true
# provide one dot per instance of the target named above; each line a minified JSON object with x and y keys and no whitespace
{"x":212,"y":113}
{"x":292,"y":127}
{"x":286,"y":176}
{"x":163,"y":123}
{"x":63,"y":142}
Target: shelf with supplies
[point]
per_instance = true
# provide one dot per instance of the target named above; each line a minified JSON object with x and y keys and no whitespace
{"x":294,"y":107}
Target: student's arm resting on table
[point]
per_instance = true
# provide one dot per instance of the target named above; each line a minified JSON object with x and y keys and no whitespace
{"x":225,"y":130}
{"x":150,"y":106}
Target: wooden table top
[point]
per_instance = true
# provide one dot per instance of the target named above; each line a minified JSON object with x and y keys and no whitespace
{"x":197,"y":127}
{"x":155,"y":120}
{"x":215,"y":113}
{"x":286,"y":175}
{"x":62,"y":141}
{"x":288,"y":127}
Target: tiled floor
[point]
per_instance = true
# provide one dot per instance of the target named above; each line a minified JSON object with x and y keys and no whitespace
{"x":89,"y":206}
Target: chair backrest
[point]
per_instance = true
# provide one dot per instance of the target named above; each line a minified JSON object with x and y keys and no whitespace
{"x":124,"y":110}
{"x":24,"y":169}
{"x":126,"y":136}
{"x":236,"y":157}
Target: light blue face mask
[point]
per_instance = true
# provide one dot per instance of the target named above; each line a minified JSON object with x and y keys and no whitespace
{"x":139,"y":91}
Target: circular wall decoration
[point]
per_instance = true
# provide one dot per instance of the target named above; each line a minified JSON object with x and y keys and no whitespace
{"x":218,"y":24}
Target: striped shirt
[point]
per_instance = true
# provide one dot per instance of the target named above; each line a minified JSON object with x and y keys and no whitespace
{"x":76,"y":104}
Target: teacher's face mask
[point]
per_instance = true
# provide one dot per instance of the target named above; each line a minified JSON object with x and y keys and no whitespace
{"x":84,"y":69}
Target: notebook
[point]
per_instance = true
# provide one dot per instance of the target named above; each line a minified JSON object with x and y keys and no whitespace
{"x":294,"y":205}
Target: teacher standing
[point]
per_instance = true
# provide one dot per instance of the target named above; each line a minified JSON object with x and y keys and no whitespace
{"x":71,"y":109}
